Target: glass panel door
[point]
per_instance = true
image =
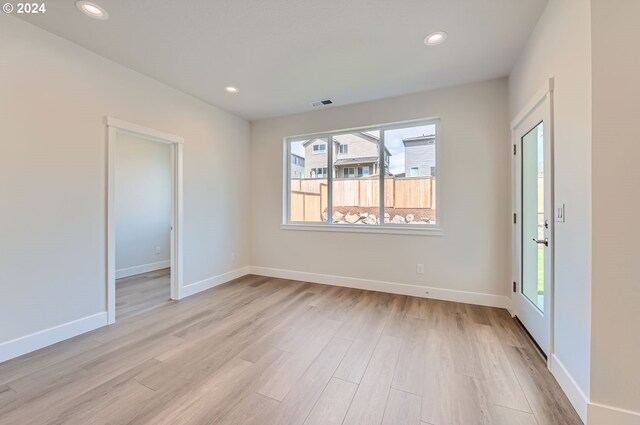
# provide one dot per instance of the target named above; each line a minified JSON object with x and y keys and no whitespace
{"x":533,"y":238}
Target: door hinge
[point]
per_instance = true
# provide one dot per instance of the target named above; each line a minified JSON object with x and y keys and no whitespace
{"x":514,"y":149}
{"x":514,"y":287}
{"x":515,"y":218}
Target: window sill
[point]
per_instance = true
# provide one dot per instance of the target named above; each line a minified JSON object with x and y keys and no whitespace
{"x":407,"y":229}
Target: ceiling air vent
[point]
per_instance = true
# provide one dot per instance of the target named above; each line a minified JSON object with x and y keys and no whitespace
{"x":322,"y":102}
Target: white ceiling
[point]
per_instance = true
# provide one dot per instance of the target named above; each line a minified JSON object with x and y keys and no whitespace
{"x":283,"y":54}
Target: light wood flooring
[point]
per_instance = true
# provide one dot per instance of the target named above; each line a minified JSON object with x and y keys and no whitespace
{"x":277,"y":352}
{"x":141,"y":293}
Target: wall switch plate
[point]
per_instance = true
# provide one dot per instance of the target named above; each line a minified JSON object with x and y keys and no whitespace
{"x":560,"y":214}
{"x":420,"y":268}
{"x":157,"y":250}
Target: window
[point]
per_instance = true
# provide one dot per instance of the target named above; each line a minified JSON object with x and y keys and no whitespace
{"x":348,"y":172}
{"x":319,"y":172}
{"x":363,"y":171}
{"x":395,"y":163}
{"x":319,"y":148}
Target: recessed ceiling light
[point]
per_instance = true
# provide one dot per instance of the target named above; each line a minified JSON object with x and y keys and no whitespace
{"x":92,"y":10}
{"x":231,"y":89}
{"x":435,"y":38}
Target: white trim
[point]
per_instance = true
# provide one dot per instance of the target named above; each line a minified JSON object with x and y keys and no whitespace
{"x":144,"y":268}
{"x":115,"y":126}
{"x":203,"y":285}
{"x":540,"y":95}
{"x":286,"y":178}
{"x":407,"y":229}
{"x":530,"y":316}
{"x":146,"y":132}
{"x":490,"y":300}
{"x":574,"y":393}
{"x":600,"y":414}
{"x":37,"y":340}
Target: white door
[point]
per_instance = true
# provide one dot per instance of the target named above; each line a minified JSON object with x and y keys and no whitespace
{"x":534,"y":222}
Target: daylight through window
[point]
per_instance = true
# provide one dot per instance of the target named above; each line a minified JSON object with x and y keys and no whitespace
{"x":344,"y":185}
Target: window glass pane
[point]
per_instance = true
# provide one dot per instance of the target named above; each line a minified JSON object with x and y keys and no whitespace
{"x":410,"y":183}
{"x":308,"y":181}
{"x":356,"y":193}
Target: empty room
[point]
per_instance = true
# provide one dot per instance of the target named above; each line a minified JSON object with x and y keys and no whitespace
{"x":355,"y":212}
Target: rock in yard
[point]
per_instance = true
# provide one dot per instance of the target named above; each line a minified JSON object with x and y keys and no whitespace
{"x":364,"y":215}
{"x":409,"y":218}
{"x":370,"y":219}
{"x":337,"y":216}
{"x":387,"y":216}
{"x":324,"y":216}
{"x":351,"y":218}
{"x":398,"y":219}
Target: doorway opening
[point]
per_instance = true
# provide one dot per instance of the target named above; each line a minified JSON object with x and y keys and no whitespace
{"x":144,"y":213}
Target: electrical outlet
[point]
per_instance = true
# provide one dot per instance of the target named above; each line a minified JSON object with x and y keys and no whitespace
{"x":419,"y":268}
{"x":157,"y":250}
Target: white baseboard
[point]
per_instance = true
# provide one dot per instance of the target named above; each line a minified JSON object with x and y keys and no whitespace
{"x":37,"y":340}
{"x":599,"y":414}
{"x":211,"y":282}
{"x":570,"y":387}
{"x":393,"y":288}
{"x":145,"y":268}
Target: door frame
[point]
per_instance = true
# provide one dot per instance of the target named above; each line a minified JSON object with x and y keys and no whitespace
{"x":114,"y":127}
{"x":543,"y":96}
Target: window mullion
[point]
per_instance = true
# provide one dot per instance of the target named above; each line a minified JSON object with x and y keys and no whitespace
{"x":330,"y":179}
{"x":381,"y":177}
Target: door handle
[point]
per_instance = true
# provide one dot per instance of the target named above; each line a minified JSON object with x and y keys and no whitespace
{"x":544,"y":241}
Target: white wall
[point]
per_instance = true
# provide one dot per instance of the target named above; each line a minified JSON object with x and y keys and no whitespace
{"x":142,"y":205}
{"x":615,"y":350}
{"x":474,"y":252}
{"x":559,"y":47}
{"x":54,"y":99}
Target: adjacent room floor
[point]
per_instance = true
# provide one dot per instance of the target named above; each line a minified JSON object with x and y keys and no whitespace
{"x":141,"y":293}
{"x":271,"y":351}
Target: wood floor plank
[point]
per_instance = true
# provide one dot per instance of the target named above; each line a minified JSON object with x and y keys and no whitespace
{"x":500,"y":384}
{"x":402,"y":408}
{"x":504,"y":416}
{"x":333,"y":404}
{"x":296,"y":406}
{"x":281,"y":383}
{"x":548,"y":403}
{"x":370,"y":399}
{"x":355,"y":362}
{"x":7,"y":395}
{"x":409,"y":373}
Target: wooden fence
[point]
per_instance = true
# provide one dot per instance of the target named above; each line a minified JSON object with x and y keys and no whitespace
{"x":309,"y":196}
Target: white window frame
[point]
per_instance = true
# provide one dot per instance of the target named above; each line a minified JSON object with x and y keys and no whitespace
{"x":435,"y":229}
{"x":343,"y":149}
{"x":417,"y":171}
{"x":319,"y":151}
{"x":348,"y":175}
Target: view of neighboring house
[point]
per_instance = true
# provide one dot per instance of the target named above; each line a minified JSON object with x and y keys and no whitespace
{"x":420,"y":156}
{"x":356,"y":155}
{"x":297,"y":166}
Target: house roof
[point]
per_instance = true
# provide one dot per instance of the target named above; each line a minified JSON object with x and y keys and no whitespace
{"x":425,"y":137}
{"x":358,"y":160}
